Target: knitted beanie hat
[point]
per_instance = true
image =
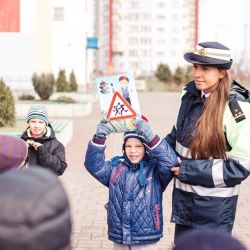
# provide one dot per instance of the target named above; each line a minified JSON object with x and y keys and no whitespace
{"x":133,"y":134}
{"x":38,"y":111}
{"x":13,"y":152}
{"x":35,"y":212}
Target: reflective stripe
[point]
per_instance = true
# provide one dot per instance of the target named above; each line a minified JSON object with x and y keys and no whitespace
{"x":98,"y":145}
{"x":221,"y":54}
{"x":182,"y":150}
{"x":204,"y":191}
{"x":217,"y":173}
{"x":244,"y":162}
{"x":217,"y":168}
{"x":156,"y":144}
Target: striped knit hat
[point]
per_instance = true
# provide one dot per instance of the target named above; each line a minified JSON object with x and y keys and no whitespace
{"x":38,"y":111}
{"x":13,"y":152}
{"x":133,"y":134}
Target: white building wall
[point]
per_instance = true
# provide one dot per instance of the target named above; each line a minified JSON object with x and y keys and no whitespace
{"x":43,"y":31}
{"x":91,"y":31}
{"x":45,"y":44}
{"x":103,"y":33}
{"x":69,"y":38}
{"x":17,"y":49}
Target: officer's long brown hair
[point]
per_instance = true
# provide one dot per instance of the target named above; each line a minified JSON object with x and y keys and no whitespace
{"x":209,"y":139}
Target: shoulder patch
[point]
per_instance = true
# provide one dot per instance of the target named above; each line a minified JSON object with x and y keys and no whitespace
{"x":236,"y":110}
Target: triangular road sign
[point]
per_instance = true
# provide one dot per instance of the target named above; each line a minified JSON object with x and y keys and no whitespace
{"x":119,"y":108}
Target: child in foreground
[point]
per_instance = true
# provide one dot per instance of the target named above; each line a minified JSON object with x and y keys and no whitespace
{"x":136,"y":182}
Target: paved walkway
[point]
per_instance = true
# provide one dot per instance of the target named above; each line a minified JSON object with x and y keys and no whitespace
{"x":87,"y":196}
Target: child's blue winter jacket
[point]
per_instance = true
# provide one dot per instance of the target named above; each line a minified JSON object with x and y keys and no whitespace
{"x":134,"y":209}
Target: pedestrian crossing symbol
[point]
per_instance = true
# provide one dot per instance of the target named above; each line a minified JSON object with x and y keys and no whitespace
{"x":120,"y":108}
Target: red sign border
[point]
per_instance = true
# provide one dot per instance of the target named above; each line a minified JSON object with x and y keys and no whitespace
{"x":124,"y":102}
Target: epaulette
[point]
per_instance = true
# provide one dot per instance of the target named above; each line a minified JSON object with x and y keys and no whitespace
{"x":236,"y":110}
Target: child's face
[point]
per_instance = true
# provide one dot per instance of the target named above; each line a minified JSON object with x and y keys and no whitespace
{"x":134,"y":150}
{"x":123,"y":83}
{"x":37,"y":127}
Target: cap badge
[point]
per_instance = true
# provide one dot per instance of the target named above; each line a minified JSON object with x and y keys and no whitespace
{"x":202,"y":52}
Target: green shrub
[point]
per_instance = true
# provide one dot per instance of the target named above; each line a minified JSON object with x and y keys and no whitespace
{"x":25,"y":97}
{"x":189,"y":74}
{"x":65,"y":99}
{"x":7,"y":106}
{"x":61,"y":82}
{"x":44,"y":85}
{"x":163,"y":73}
{"x":179,"y":76}
{"x":72,"y":82}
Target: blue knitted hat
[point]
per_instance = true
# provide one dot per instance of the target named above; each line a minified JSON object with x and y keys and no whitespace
{"x":133,"y":134}
{"x":38,"y":111}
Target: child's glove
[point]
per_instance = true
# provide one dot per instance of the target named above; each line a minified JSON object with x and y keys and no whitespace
{"x":104,"y":128}
{"x":144,"y":129}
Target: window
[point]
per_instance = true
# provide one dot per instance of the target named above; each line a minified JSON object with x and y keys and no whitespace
{"x":58,"y":14}
{"x":161,"y":5}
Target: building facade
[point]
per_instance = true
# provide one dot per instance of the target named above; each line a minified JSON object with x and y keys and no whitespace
{"x":136,"y":36}
{"x":39,"y":36}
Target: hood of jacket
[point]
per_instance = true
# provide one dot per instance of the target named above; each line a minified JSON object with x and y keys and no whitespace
{"x":239,"y":92}
{"x":115,"y":161}
{"x":35,"y":213}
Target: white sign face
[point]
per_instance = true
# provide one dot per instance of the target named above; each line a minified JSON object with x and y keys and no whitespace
{"x":118,"y":100}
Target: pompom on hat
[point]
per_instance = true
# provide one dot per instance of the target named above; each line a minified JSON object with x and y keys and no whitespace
{"x":211,"y":54}
{"x":13,"y":152}
{"x":38,"y":111}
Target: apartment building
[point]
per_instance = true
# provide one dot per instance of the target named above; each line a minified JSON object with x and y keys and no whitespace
{"x":135,"y":36}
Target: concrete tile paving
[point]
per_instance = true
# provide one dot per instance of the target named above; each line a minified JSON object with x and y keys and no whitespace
{"x":87,"y":196}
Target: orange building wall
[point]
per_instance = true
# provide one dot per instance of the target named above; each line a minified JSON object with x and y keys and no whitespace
{"x":9,"y":16}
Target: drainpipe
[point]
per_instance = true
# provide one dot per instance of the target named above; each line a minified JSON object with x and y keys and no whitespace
{"x":110,"y":49}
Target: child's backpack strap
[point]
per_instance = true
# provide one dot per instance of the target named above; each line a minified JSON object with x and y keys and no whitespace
{"x":236,"y":110}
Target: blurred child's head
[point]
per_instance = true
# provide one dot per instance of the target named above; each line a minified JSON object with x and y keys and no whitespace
{"x":207,"y":240}
{"x":134,"y":147}
{"x":35,"y":212}
{"x":37,"y":119}
{"x":13,"y":152}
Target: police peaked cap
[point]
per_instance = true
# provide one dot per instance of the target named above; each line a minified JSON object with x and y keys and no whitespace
{"x":211,"y":54}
